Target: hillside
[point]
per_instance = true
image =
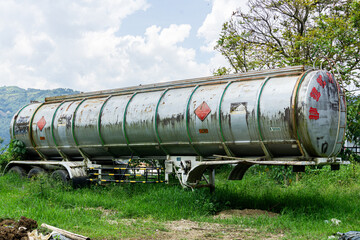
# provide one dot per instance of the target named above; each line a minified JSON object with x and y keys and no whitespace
{"x":13,"y":98}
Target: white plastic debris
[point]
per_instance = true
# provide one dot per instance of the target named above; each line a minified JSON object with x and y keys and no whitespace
{"x":333,"y":221}
{"x":34,"y":235}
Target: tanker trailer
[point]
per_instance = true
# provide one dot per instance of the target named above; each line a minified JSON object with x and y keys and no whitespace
{"x":292,"y":116}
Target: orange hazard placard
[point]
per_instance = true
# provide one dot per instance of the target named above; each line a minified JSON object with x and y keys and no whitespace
{"x":41,"y":123}
{"x":202,"y":111}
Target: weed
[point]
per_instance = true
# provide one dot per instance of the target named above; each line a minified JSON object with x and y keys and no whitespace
{"x":133,"y":210}
{"x":13,"y":151}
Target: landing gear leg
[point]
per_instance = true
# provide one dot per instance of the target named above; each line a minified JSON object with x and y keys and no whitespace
{"x":212,"y":180}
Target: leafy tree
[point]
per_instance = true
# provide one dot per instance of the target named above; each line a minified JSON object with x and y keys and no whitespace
{"x":278,"y":33}
{"x":353,"y":126}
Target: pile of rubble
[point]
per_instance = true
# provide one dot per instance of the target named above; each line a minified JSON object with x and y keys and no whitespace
{"x":16,"y":230}
{"x":26,"y":229}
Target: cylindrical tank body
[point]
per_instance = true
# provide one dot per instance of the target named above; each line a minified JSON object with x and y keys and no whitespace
{"x":274,"y":113}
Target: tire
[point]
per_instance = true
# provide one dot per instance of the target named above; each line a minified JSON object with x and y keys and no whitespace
{"x":61,"y":176}
{"x":36,"y":172}
{"x":79,"y":182}
{"x":18,"y":171}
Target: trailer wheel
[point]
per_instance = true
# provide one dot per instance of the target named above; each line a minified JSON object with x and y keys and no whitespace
{"x":36,"y":172}
{"x":61,"y":176}
{"x":18,"y":170}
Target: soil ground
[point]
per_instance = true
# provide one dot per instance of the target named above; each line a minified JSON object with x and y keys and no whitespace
{"x":16,"y":230}
{"x":191,"y":230}
{"x":244,"y":213}
{"x":182,"y":229}
{"x":185,"y":229}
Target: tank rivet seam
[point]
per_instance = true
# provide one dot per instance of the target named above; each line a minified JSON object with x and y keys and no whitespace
{"x":156,"y":123}
{"x":73,"y":130}
{"x":99,"y":119}
{"x":263,"y":146}
{"x":223,"y":140}
{"x":187,"y":120}
{"x":31,"y":132}
{"x":124,"y":124}
{"x":53,"y":134}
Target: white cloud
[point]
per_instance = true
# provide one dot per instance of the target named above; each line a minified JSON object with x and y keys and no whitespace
{"x":221,"y":12}
{"x":133,"y":60}
{"x":22,"y":45}
{"x":211,"y":28}
{"x":48,"y":44}
{"x":76,"y":44}
{"x":99,"y":43}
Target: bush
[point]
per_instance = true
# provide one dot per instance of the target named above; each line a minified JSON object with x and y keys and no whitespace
{"x":15,"y":150}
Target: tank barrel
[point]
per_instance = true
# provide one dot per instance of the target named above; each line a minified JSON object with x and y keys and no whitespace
{"x":288,"y":112}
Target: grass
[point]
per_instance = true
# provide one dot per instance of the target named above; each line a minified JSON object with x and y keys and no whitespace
{"x":138,"y":211}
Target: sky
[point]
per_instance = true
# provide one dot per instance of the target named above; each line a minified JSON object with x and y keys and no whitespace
{"x":90,"y":45}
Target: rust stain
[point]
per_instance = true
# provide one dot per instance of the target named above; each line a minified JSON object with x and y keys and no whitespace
{"x":22,"y":125}
{"x":287,"y":119}
{"x":173,"y":121}
{"x":65,"y":119}
{"x":204,"y":130}
{"x":69,"y":106}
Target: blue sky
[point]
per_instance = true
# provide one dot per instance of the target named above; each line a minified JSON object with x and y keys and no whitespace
{"x":92,"y":45}
{"x":162,"y":13}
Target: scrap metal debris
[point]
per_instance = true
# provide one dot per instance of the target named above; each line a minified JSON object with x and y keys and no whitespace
{"x":351,"y":235}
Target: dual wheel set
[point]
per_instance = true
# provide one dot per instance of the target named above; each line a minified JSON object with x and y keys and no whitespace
{"x":59,"y":175}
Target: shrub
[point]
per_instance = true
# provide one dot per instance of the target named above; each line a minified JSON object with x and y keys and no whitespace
{"x":15,"y":150}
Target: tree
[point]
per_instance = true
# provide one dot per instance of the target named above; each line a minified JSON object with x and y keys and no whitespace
{"x":353,"y":126}
{"x":278,"y":33}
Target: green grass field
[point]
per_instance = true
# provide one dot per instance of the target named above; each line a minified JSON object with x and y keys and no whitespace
{"x":142,"y":211}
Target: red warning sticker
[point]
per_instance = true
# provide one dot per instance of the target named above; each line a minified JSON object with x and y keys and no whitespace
{"x":315,"y":94}
{"x":41,"y":123}
{"x":202,"y":111}
{"x":321,"y":81}
{"x":205,"y":130}
{"x":313,"y":113}
{"x":330,"y":78}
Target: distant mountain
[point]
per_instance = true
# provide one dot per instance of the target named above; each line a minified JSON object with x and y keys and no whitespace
{"x":13,"y":98}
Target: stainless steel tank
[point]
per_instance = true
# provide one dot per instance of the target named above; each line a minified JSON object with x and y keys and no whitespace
{"x":274,"y":113}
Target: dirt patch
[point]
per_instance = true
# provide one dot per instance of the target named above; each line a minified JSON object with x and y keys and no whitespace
{"x":185,"y":229}
{"x":244,"y":213}
{"x":16,"y":230}
{"x":127,"y":222}
{"x":104,"y":212}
